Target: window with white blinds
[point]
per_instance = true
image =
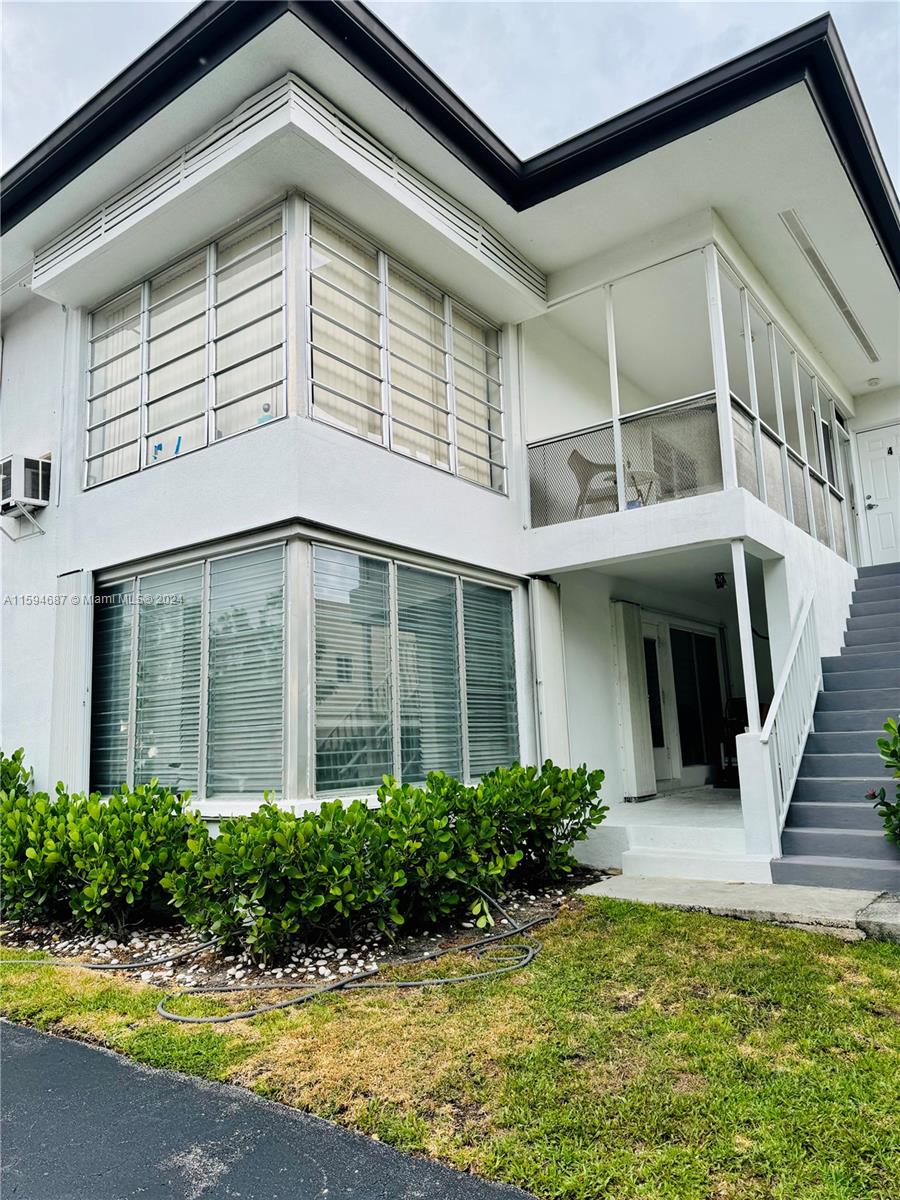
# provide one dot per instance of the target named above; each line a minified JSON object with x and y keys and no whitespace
{"x":192,"y":355}
{"x":415,"y":672}
{"x":396,"y":361}
{"x":188,"y":677}
{"x":490,"y":677}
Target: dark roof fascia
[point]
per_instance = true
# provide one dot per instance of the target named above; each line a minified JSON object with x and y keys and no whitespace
{"x":206,"y":37}
{"x":191,"y":49}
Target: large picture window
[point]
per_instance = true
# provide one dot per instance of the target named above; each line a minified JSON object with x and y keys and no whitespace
{"x":192,"y":355}
{"x":194,"y":683}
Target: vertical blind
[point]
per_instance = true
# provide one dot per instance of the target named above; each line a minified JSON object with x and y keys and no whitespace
{"x":111,"y":688}
{"x":392,"y":668}
{"x":245,"y":723}
{"x":207,"y":644}
{"x":490,"y":677}
{"x":354,"y":705}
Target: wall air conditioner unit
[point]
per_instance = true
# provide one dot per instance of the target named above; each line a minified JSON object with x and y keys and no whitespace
{"x":24,"y":485}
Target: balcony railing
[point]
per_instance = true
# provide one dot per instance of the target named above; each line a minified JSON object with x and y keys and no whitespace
{"x":673,"y":451}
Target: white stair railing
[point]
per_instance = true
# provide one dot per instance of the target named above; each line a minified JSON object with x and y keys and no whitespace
{"x":769,"y":762}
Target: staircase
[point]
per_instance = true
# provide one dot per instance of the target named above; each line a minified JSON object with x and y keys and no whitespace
{"x":832,"y":836}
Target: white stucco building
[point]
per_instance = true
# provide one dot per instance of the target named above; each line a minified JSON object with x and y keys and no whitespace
{"x":374,"y":449}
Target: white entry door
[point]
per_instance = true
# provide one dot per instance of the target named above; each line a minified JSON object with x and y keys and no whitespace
{"x":879,"y":461}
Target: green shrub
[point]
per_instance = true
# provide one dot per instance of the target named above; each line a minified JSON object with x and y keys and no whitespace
{"x":15,"y":777}
{"x":541,"y":813}
{"x":121,"y":848}
{"x":34,"y":854}
{"x":271,"y":876}
{"x":446,"y":842}
{"x":99,"y":861}
{"x":889,"y":810}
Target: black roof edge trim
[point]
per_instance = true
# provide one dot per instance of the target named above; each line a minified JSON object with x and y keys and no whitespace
{"x":811,"y":54}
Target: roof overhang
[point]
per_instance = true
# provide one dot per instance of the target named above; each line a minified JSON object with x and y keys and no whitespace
{"x":215,"y":30}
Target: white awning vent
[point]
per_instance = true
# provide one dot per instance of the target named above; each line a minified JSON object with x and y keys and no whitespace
{"x":797,"y":230}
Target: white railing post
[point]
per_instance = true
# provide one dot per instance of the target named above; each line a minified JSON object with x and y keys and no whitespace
{"x":759,"y":796}
{"x":614,"y":398}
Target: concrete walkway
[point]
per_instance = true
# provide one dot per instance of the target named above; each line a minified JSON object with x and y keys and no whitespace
{"x":85,"y":1124}
{"x":848,"y":913}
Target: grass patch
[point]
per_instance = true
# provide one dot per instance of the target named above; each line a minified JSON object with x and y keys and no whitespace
{"x":644,"y":1054}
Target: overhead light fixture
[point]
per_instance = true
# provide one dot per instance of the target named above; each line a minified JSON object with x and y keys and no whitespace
{"x":797,"y":230}
{"x":874,"y":381}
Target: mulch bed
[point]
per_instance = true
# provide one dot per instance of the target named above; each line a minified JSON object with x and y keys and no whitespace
{"x":301,"y":962}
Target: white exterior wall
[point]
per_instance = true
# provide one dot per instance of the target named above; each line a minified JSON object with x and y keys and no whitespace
{"x":34,"y":340}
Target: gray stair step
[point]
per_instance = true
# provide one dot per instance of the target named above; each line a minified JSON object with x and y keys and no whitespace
{"x":840,"y":765}
{"x":871,"y":641}
{"x":852,"y":741}
{"x":871,"y":661}
{"x":854,"y":719}
{"x":839,"y":843}
{"x":868,"y":595}
{"x":874,"y":608}
{"x":812,"y":815}
{"x":887,"y":699}
{"x":877,"y":679}
{"x":882,"y":569}
{"x":875,"y":621}
{"x":821,"y":871}
{"x":842,"y":790}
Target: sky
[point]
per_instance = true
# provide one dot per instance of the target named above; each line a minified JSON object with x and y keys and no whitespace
{"x":535,"y":71}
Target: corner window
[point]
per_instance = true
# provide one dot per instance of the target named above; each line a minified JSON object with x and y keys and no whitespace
{"x":194,"y":684}
{"x":192,"y":355}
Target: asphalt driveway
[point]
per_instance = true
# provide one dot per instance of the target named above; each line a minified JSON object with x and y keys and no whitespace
{"x":84,"y":1124}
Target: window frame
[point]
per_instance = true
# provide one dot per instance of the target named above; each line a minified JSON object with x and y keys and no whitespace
{"x":208,"y":347}
{"x":459,"y":576}
{"x":449,"y":302}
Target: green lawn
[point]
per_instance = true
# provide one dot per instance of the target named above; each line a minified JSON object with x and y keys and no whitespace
{"x":645,"y":1053}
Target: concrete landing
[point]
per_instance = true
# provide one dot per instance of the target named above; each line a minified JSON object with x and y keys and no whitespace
{"x":849,"y":914}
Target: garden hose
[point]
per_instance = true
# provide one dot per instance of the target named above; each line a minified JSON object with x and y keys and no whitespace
{"x":493,"y":949}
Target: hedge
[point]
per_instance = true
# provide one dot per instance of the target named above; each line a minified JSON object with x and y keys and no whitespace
{"x":275,"y":875}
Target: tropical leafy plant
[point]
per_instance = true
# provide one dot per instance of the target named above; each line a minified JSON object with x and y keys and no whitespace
{"x":889,"y":810}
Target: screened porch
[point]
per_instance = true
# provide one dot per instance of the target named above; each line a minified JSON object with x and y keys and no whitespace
{"x":673,"y":382}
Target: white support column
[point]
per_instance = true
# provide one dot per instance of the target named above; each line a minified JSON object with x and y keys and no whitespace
{"x":295,"y":251}
{"x":779,"y":416}
{"x":804,"y":451}
{"x":720,"y":368}
{"x":823,"y":459}
{"x":745,"y":629}
{"x":70,"y":712}
{"x":754,"y":396}
{"x":614,"y":397}
{"x":549,"y":671}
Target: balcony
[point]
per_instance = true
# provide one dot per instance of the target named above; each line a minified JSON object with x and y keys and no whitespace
{"x":698,"y":391}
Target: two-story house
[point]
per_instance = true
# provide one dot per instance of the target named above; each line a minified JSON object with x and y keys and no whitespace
{"x":366,"y":448}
